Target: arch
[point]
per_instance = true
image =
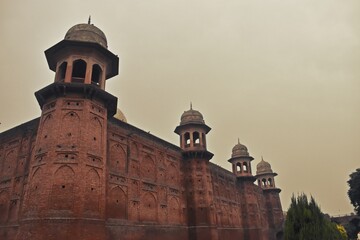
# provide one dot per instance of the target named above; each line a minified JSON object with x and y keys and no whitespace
{"x":245,"y":167}
{"x":62,"y":191}
{"x":174,"y":210}
{"x":79,"y":71}
{"x":196,"y":138}
{"x":96,"y":136}
{"x":70,"y":128}
{"x":61,"y":72}
{"x":33,"y":190}
{"x":148,"y":169}
{"x":238,"y":167}
{"x":259,"y":182}
{"x":187,"y":139}
{"x":9,"y":163}
{"x":279,"y":235}
{"x":134,"y":152}
{"x":96,"y":74}
{"x":4,"y":206}
{"x":47,"y":126}
{"x":117,"y":203}
{"x":92,"y":191}
{"x":172,"y":175}
{"x":117,"y":158}
{"x":270,"y":181}
{"x":148,"y":207}
{"x":264,"y":183}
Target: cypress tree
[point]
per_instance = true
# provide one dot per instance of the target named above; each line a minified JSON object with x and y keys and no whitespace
{"x":305,"y":221}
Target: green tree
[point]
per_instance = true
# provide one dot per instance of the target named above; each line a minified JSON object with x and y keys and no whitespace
{"x":354,"y":190}
{"x":305,"y":221}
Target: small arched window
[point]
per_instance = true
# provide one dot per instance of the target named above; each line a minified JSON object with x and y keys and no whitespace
{"x":79,"y":71}
{"x":96,"y":74}
{"x":60,"y":76}
{"x":270,"y":182}
{"x":238,"y":167}
{"x":196,"y":137}
{"x":264,"y":182}
{"x":187,"y":139}
{"x":245,"y":167}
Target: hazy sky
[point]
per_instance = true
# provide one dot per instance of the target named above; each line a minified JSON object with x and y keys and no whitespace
{"x":282,"y":75}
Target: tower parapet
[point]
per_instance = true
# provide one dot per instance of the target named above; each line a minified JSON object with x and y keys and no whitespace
{"x":192,"y":131}
{"x":265,"y":176}
{"x":241,"y":162}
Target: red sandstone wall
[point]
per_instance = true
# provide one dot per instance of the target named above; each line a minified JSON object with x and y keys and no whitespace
{"x":144,"y":185}
{"x":16,"y":146}
{"x":145,"y":191}
{"x":241,"y":210}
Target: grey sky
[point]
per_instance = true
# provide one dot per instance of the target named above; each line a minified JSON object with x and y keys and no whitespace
{"x":282,"y":75}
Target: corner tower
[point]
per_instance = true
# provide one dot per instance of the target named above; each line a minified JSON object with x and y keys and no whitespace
{"x":67,"y":174}
{"x":265,"y":176}
{"x":266,"y":180}
{"x":200,"y":206}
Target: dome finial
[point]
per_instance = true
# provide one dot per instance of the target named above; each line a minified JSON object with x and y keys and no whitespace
{"x":238,"y":140}
{"x":262,"y":159}
{"x":89,"y":20}
{"x":190,"y":105}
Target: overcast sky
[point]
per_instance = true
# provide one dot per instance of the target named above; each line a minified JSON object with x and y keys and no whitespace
{"x":282,"y":75}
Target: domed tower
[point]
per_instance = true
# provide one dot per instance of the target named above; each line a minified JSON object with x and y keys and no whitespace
{"x":192,"y":131}
{"x":241,"y":161}
{"x":265,"y":178}
{"x":265,"y":175}
{"x":83,"y":57}
{"x":67,"y":177}
{"x":200,"y":206}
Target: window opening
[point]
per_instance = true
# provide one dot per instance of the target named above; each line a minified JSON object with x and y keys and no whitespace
{"x":96,"y":74}
{"x":196,"y":137}
{"x":245,"y":167}
{"x":79,"y":70}
{"x":187,"y":139}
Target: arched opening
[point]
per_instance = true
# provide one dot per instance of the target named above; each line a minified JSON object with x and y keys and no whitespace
{"x":270,"y":182}
{"x":264,"y":182}
{"x":96,"y":74}
{"x":279,"y":235}
{"x":259,"y":183}
{"x":196,"y":137}
{"x":187,"y":139}
{"x":245,"y":167}
{"x":61,"y":72}
{"x":79,"y":71}
{"x":238,"y":167}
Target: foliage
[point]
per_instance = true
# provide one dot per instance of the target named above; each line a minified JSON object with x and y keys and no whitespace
{"x":354,"y":190}
{"x":342,"y":230}
{"x":305,"y":221}
{"x":352,"y":228}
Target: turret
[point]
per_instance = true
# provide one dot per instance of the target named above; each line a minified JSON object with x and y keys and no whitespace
{"x":241,"y":161}
{"x":200,"y":203}
{"x":265,"y":175}
{"x":67,"y":177}
{"x":265,"y":178}
{"x":192,"y":131}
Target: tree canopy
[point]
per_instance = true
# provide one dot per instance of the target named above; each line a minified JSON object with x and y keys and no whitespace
{"x":354,"y":190}
{"x":305,"y":221}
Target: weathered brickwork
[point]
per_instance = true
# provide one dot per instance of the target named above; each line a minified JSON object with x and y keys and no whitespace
{"x":79,"y":173}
